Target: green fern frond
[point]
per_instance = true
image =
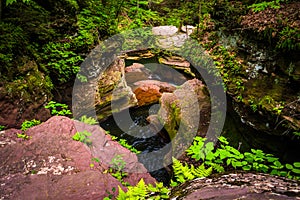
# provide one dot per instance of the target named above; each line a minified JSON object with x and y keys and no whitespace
{"x":182,"y":172}
{"x":200,"y":171}
{"x":218,"y":168}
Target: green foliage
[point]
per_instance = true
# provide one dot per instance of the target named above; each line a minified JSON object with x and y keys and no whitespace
{"x":117,"y":167}
{"x":184,"y":172}
{"x":181,"y":15}
{"x":28,"y":124}
{"x":263,"y":5}
{"x":118,"y":163}
{"x":13,"y":42}
{"x":289,"y":39}
{"x":81,"y":78}
{"x":125,"y":144}
{"x":58,"y":108}
{"x":88,"y":120}
{"x":226,"y":156}
{"x":144,"y":191}
{"x":139,"y":15}
{"x":23,"y":136}
{"x":94,"y":160}
{"x":61,"y":61}
{"x":83,"y":136}
{"x":230,"y":68}
{"x":2,"y":127}
{"x":8,"y":2}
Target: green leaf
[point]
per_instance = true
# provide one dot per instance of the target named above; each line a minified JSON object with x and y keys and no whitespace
{"x":297,"y":171}
{"x":247,"y":167}
{"x":223,"y":140}
{"x":289,"y":166}
{"x":297,"y":164}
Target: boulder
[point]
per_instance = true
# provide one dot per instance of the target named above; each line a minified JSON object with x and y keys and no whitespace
{"x":238,"y":186}
{"x":24,"y":99}
{"x":184,"y":114}
{"x":51,"y":165}
{"x":149,"y":91}
{"x":107,"y":87}
{"x":136,"y":72}
{"x":177,"y":108}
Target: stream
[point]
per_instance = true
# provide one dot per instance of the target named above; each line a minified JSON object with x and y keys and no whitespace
{"x":240,"y":135}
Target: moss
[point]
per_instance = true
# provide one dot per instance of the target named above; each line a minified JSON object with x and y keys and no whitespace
{"x":31,"y":86}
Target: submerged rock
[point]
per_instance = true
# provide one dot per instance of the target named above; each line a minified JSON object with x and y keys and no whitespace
{"x":238,"y":186}
{"x":51,"y":165}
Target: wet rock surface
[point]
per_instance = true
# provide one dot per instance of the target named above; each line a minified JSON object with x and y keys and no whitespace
{"x":51,"y":165}
{"x":238,"y":186}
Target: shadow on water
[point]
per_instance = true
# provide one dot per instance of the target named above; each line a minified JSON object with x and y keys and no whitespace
{"x":246,"y":138}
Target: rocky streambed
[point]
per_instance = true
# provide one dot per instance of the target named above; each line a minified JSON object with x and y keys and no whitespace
{"x":51,"y":165}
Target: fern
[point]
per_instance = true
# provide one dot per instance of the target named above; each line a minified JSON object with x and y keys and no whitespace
{"x":200,"y":171}
{"x":218,"y":168}
{"x":88,"y":120}
{"x":143,"y":191}
{"x":182,"y":172}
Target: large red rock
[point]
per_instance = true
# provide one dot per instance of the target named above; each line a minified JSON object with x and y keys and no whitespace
{"x":51,"y":165}
{"x":149,"y":91}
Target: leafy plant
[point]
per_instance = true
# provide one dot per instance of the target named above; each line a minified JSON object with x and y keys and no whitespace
{"x":23,"y":136}
{"x":94,"y":160}
{"x":184,"y":172}
{"x":83,"y":137}
{"x":117,"y":167}
{"x":58,"y":108}
{"x":88,"y":120}
{"x":2,"y":127}
{"x":8,"y":2}
{"x":28,"y":124}
{"x":62,"y":62}
{"x":143,"y":191}
{"x":226,"y":156}
{"x":263,"y":5}
{"x":110,"y":195}
{"x":124,"y":143}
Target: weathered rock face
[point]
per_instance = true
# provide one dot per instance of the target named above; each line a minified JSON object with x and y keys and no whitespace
{"x":136,"y":72}
{"x":51,"y":165}
{"x":149,"y":91}
{"x":191,"y":93}
{"x":169,"y":37}
{"x":109,"y":86}
{"x":239,"y":186}
{"x":24,"y":100}
{"x":184,"y":113}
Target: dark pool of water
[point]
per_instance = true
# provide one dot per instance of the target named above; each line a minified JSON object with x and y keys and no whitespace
{"x":137,"y":138}
{"x":245,"y":137}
